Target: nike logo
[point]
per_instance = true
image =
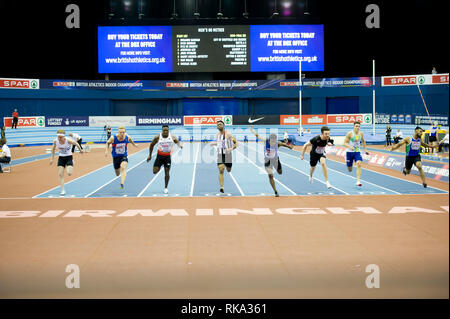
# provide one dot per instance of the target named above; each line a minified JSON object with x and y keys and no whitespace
{"x":255,"y":120}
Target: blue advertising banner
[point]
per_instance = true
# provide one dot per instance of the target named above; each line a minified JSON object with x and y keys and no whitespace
{"x":437,"y":171}
{"x":67,"y":121}
{"x":408,"y":119}
{"x":159,"y":120}
{"x":280,"y":47}
{"x":401,"y":119}
{"x":202,"y":85}
{"x":394,"y":119}
{"x":136,"y":49}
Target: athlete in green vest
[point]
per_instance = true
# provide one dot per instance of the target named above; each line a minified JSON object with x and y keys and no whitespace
{"x":413,"y":145}
{"x":352,"y":142}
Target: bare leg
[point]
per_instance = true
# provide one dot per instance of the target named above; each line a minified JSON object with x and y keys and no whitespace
{"x":61,"y":177}
{"x":358,"y":170}
{"x":69,"y":170}
{"x":167,"y":176}
{"x":324,"y":168}
{"x":422,"y":173}
{"x":311,"y":171}
{"x":221,"y":170}
{"x":123,"y":172}
{"x":272,"y":183}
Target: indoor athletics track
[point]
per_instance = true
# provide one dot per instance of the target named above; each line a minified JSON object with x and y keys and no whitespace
{"x":311,"y":242}
{"x":191,"y":176}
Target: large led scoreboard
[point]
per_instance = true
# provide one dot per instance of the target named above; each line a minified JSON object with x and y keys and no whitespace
{"x":210,"y":48}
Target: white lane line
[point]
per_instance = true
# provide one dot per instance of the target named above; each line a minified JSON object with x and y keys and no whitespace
{"x":237,"y":185}
{"x":195,"y":169}
{"x":276,"y":180}
{"x":346,"y":175}
{"x":404,"y":180}
{"x":109,"y":182}
{"x":56,"y":187}
{"x":154,"y":177}
{"x":305,"y":173}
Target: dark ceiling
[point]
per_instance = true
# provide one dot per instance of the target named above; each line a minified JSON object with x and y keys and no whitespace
{"x":412,"y":39}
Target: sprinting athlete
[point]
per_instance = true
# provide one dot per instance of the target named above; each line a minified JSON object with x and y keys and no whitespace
{"x":317,"y":153}
{"x":165,"y":141}
{"x":433,"y":138}
{"x":352,"y":142}
{"x":65,"y":158}
{"x":271,"y":159}
{"x":413,"y":145}
{"x":119,"y":153}
{"x":225,"y":143}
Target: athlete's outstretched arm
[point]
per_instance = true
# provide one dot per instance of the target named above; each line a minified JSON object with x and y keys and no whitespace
{"x":53,"y":152}
{"x":176,"y":141}
{"x":152,"y":145}
{"x":428,"y":145}
{"x":257,"y":135}
{"x":304,"y":149}
{"x":285,"y":145}
{"x":234,"y":142}
{"x":364,"y":143}
{"x":132,"y":142}
{"x":109,"y":141}
{"x":404,"y":141}
{"x":76,"y":144}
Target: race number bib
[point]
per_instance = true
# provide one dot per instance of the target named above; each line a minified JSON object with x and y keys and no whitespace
{"x":120,"y":148}
{"x":270,"y":153}
{"x":64,"y":150}
{"x":415,"y":145}
{"x":320,"y":149}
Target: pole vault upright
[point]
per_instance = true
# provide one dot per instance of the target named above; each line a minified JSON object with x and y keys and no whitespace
{"x":300,"y":93}
{"x":373,"y":97}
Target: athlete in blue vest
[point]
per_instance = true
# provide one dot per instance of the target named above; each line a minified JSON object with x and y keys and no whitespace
{"x":413,"y":145}
{"x":271,"y":159}
{"x":119,"y":153}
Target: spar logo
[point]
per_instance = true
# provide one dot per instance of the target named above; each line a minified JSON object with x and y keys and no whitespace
{"x":19,"y":84}
{"x":40,"y":121}
{"x":227,"y":120}
{"x":421,"y":79}
{"x":208,"y":119}
{"x":349,"y":118}
{"x":401,"y":80}
{"x":177,"y":85}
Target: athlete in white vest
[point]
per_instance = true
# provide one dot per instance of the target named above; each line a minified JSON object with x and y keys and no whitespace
{"x":65,"y":159}
{"x":165,"y":142}
{"x":225,"y":143}
{"x":433,"y":137}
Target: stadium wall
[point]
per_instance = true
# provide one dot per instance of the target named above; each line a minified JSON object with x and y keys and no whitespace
{"x":390,"y":100}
